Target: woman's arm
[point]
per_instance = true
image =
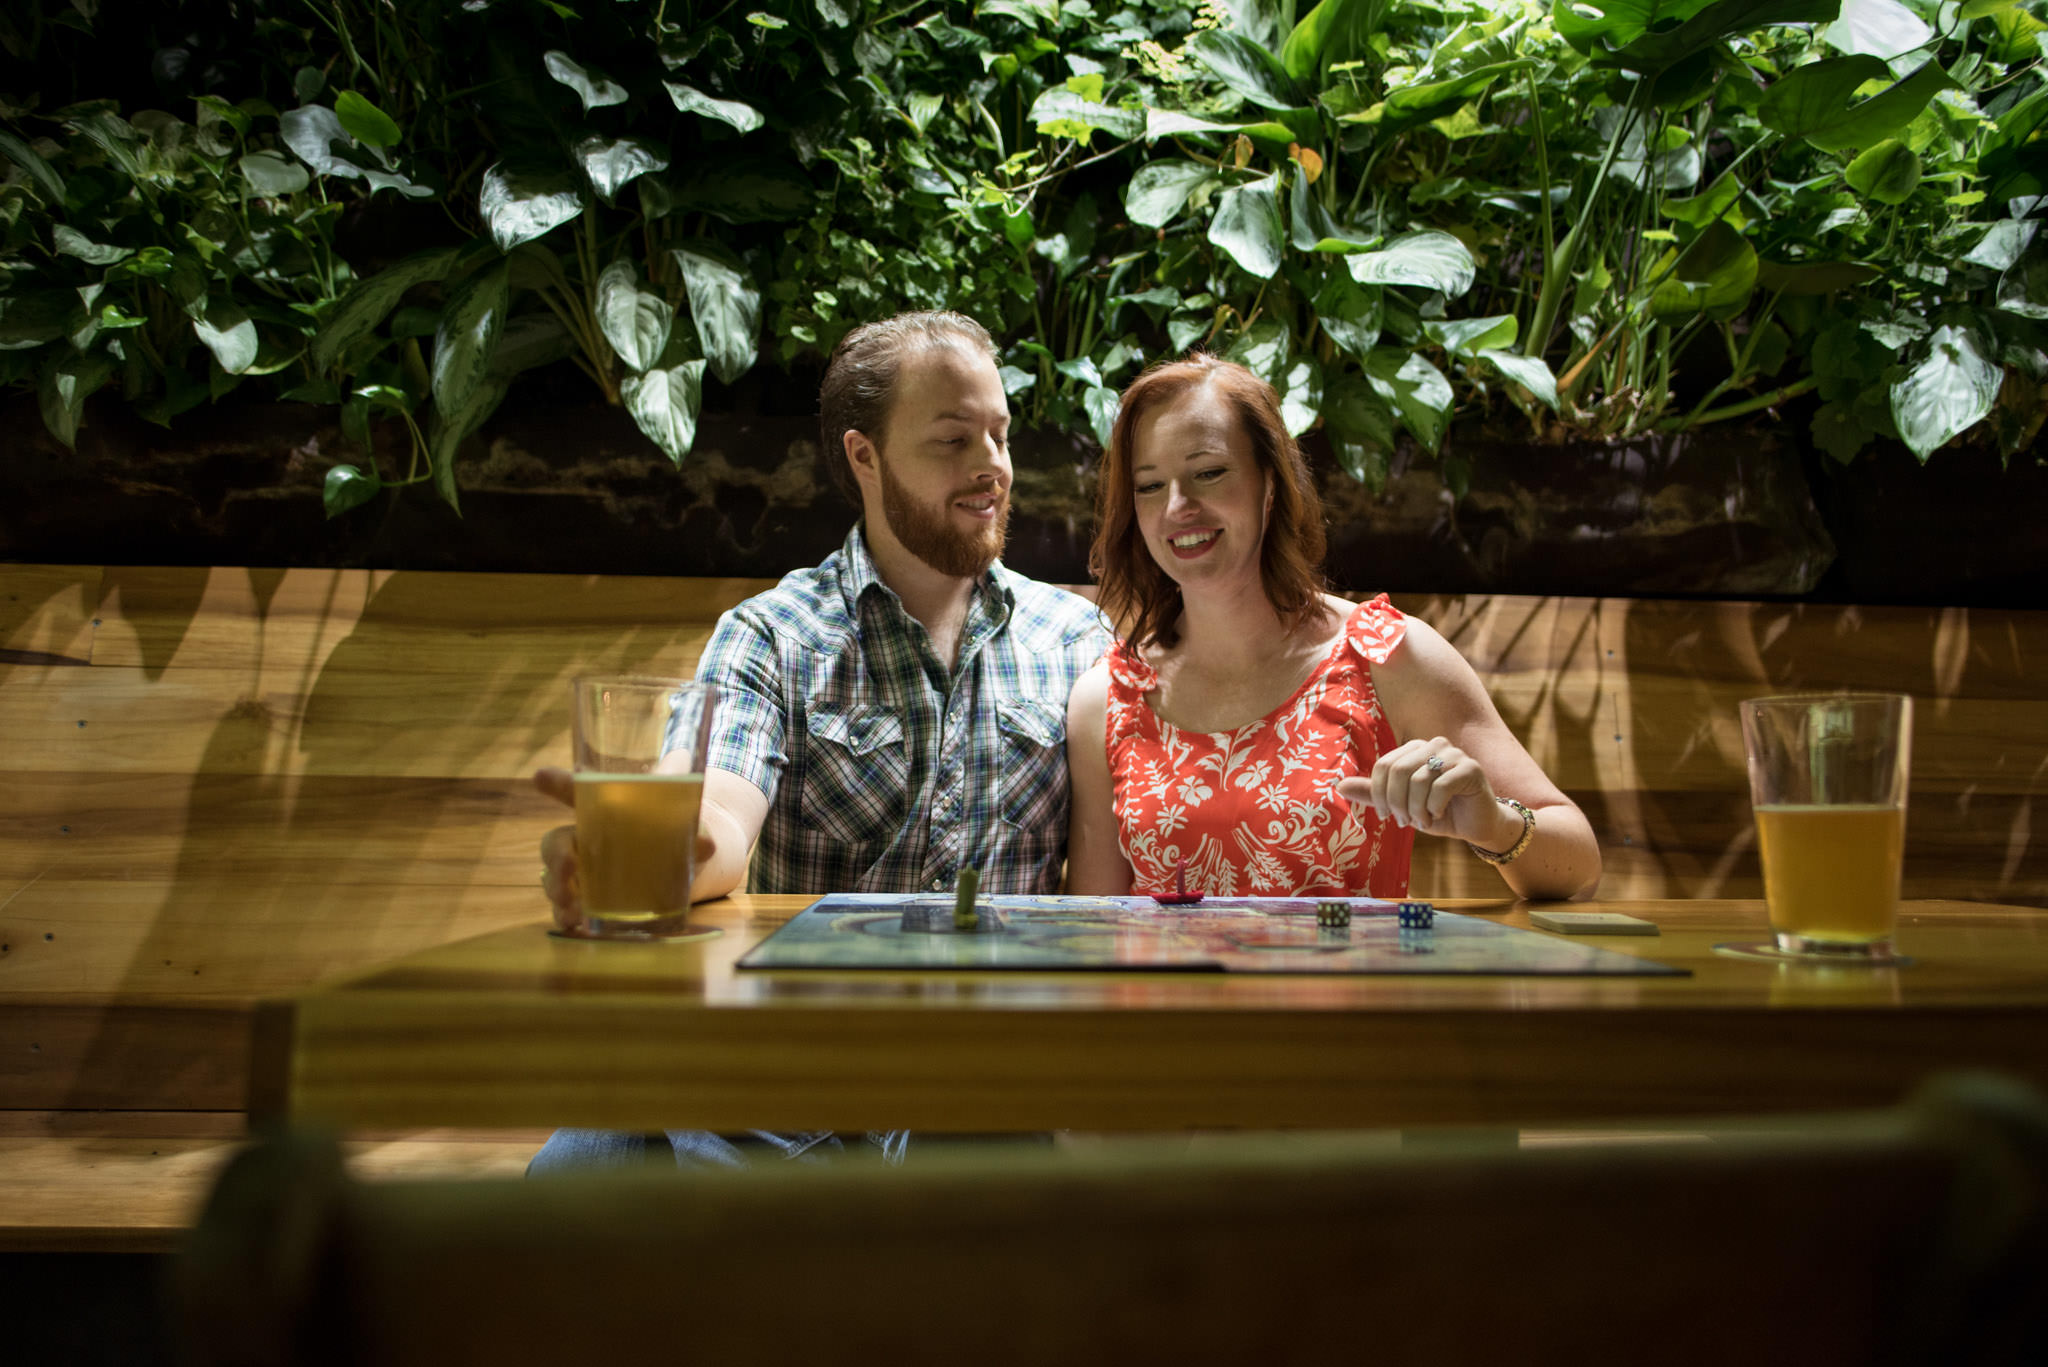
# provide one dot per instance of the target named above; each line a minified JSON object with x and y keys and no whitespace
{"x":1095,"y":862}
{"x":1440,"y":710}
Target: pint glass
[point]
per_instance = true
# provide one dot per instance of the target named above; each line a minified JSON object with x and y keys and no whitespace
{"x":1827,"y":781}
{"x":640,"y":746}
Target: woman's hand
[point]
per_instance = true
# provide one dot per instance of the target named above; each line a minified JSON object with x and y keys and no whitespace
{"x":1438,"y":789}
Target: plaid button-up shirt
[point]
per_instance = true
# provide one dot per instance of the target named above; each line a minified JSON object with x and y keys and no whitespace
{"x":884,"y":770}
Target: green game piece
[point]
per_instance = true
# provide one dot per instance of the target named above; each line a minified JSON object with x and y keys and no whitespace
{"x":965,"y":917}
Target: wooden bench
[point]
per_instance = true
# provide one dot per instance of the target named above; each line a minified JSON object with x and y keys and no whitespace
{"x":223,"y":784}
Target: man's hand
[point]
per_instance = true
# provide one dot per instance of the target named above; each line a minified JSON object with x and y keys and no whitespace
{"x":558,"y":852}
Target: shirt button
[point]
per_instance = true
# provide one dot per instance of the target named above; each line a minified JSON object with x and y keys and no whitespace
{"x":938,"y":885}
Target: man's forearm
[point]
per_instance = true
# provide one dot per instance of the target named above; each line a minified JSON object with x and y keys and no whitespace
{"x":727,"y":866}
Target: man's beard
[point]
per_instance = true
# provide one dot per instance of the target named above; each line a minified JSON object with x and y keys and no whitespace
{"x":928,"y":534}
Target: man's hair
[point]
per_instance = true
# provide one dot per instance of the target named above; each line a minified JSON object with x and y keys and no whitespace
{"x":860,"y":382}
{"x":1136,"y":594}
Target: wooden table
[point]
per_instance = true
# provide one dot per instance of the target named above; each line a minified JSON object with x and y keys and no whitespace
{"x":519,"y":1028}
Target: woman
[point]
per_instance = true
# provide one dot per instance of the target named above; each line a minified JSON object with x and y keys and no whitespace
{"x":1267,"y":736}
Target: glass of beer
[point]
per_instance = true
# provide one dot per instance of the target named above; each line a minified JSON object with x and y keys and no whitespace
{"x":1827,"y":780}
{"x":640,"y":746}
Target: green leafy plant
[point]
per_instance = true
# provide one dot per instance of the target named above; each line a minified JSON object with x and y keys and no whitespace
{"x":1591,"y":220}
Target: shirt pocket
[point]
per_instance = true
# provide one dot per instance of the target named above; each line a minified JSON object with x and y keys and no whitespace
{"x":1034,"y":765}
{"x":857,"y":784}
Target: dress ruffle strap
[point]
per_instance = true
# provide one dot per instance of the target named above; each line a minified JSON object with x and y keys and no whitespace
{"x":1375,"y":628}
{"x":1128,"y":670}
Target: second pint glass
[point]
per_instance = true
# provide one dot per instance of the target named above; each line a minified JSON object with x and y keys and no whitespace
{"x":1827,"y":781}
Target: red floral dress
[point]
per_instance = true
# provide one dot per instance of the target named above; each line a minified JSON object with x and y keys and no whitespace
{"x":1254,"y":811}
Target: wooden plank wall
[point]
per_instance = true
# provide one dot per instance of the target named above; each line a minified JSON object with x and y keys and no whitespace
{"x":222,"y":784}
{"x":1631,"y":706}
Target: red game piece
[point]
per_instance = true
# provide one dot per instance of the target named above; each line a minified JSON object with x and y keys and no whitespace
{"x":1180,"y":896}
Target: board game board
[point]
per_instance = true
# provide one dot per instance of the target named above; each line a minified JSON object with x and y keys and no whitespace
{"x":1125,"y":934}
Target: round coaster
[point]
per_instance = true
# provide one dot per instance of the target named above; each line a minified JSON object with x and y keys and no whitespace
{"x":682,"y":937}
{"x":1765,"y":951}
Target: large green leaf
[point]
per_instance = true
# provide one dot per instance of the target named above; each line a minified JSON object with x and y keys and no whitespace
{"x":224,"y":328}
{"x":592,"y":86}
{"x":1158,"y":191}
{"x":1059,"y":112}
{"x":65,"y":387}
{"x":1664,"y":47}
{"x":71,"y":242}
{"x":691,"y":100}
{"x":1706,"y":206}
{"x":664,"y":403}
{"x":635,"y":321}
{"x":1099,"y":405}
{"x":1301,"y":396}
{"x":365,"y":122}
{"x":40,"y":171}
{"x":467,"y":336}
{"x":1247,"y":226}
{"x":367,"y":304}
{"x":2023,"y":289}
{"x":447,"y":429}
{"x":1417,"y":390}
{"x":1608,"y":25}
{"x":347,"y":487}
{"x":530,"y":340}
{"x":1650,"y":35}
{"x":29,"y":318}
{"x":725,"y":308}
{"x":1431,"y":259}
{"x":115,"y":136}
{"x":270,"y":176}
{"x":749,"y":191}
{"x":1714,"y":275}
{"x":1817,"y":102}
{"x":1422,"y":100}
{"x":1270,"y":136}
{"x":1248,"y":69}
{"x":1530,"y":372}
{"x":522,"y":203}
{"x":1360,"y":425}
{"x":1262,"y":349}
{"x":612,"y":163}
{"x":311,"y":130}
{"x":1467,"y":337}
{"x":1312,"y":228}
{"x":1949,"y":390}
{"x":2003,"y":243}
{"x":1349,"y":313}
{"x":1332,"y":32}
{"x":1888,"y":173}
{"x":2015,"y":161}
{"x":1876,"y":28}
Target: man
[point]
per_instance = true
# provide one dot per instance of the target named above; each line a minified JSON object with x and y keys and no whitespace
{"x":897,"y":713}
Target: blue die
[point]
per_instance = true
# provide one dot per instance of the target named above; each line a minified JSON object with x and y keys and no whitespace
{"x":1417,"y":916}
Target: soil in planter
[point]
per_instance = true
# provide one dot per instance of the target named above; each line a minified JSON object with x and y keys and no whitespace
{"x":1964,"y":528}
{"x":555,"y":487}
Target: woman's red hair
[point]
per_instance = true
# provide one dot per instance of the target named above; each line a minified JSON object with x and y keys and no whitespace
{"x":1136,"y":594}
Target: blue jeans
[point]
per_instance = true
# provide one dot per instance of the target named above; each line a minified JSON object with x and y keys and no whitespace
{"x":585,"y":1150}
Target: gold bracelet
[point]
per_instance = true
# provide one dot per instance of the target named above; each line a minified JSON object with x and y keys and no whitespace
{"x":1528,"y":833}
